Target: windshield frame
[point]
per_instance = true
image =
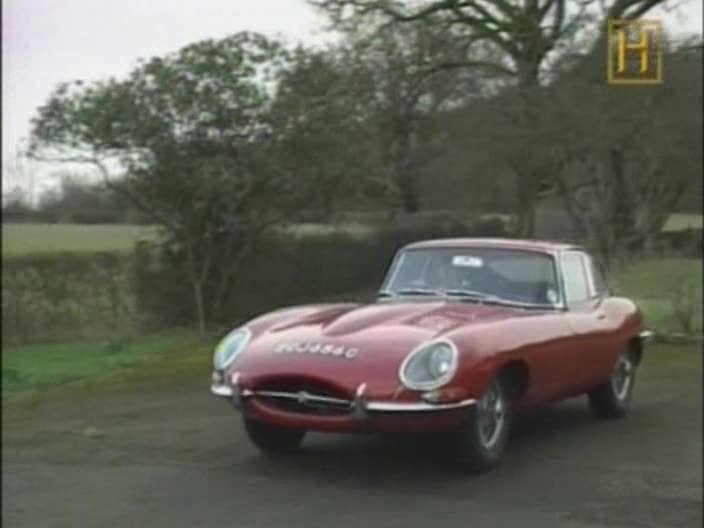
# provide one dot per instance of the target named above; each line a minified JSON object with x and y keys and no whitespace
{"x":553,"y":256}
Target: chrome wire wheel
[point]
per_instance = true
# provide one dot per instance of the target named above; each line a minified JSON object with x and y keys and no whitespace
{"x":622,"y":376}
{"x":612,"y":398}
{"x":491,"y":416}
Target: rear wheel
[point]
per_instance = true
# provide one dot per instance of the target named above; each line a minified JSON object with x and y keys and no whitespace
{"x":272,"y":439}
{"x":481,"y":441}
{"x":612,"y":399}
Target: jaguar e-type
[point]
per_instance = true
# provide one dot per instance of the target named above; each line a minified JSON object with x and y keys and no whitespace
{"x":463,"y":334}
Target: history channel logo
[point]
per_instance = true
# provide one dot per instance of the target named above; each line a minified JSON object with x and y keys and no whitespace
{"x":634,"y":52}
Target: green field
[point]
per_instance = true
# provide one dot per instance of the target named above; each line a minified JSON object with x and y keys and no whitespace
{"x":23,"y":239}
{"x":656,"y":285}
{"x":682,"y":221}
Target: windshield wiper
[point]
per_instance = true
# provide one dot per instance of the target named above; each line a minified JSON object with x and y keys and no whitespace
{"x":419,"y":291}
{"x":491,"y":298}
{"x":477,"y":296}
{"x":480,"y":296}
{"x":385,"y":293}
{"x":468,"y":293}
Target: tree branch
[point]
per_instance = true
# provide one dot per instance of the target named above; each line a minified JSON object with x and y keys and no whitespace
{"x":498,"y":68}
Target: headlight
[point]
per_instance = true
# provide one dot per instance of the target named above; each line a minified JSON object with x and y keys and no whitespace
{"x":230,"y":347}
{"x":429,"y":366}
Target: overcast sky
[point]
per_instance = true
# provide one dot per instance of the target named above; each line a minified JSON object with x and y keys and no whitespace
{"x":45,"y":42}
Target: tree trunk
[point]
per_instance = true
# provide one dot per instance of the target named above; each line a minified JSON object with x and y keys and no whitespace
{"x":526,"y":194}
{"x":621,"y":213}
{"x":237,"y":251}
{"x":527,"y":74}
{"x":403,"y":178}
{"x":407,"y":189}
{"x":197,"y":280}
{"x":524,"y":226}
{"x":199,"y":305}
{"x":528,"y":177}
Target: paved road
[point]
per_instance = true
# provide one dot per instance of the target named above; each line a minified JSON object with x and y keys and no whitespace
{"x":178,"y":458}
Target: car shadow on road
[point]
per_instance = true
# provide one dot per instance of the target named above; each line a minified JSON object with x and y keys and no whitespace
{"x":422,"y":460}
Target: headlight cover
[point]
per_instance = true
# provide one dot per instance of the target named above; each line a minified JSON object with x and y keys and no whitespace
{"x":429,"y":366}
{"x":230,"y":347}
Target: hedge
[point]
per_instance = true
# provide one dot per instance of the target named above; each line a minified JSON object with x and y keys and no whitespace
{"x":68,"y":296}
{"x":286,"y":270}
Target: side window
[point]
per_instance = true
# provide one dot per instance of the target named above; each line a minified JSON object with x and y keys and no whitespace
{"x":600,"y":286}
{"x":575,"y":278}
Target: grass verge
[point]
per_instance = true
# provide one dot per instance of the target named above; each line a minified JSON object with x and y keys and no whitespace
{"x":29,"y":371}
{"x":666,"y":290}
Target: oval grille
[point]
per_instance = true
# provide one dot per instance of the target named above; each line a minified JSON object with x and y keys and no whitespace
{"x":303,"y":397}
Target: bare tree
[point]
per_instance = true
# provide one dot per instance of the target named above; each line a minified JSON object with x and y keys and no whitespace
{"x":525,"y":36}
{"x":407,"y":87}
{"x":19,"y":175}
{"x":624,"y":162}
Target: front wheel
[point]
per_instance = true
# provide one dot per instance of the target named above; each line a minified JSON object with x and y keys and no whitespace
{"x":612,"y":399}
{"x":272,"y":439}
{"x":480,"y":442}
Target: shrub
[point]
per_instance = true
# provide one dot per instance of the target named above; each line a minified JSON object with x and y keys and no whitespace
{"x":684,"y":302}
{"x":685,"y":243}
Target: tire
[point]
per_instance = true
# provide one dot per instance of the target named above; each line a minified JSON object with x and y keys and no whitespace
{"x":613,"y":398}
{"x":272,"y":439}
{"x":480,"y":443}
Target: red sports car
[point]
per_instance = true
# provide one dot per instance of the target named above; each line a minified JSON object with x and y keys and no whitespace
{"x":464,"y":333}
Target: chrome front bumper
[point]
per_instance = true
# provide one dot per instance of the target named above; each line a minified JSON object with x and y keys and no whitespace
{"x":646,"y":336}
{"x":359,"y":406}
{"x":224,"y":391}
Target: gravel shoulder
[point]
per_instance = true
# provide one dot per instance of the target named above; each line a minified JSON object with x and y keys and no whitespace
{"x":174,"y":456}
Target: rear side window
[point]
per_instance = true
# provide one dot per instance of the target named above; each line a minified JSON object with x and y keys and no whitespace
{"x":574,"y":274}
{"x":600,"y":286}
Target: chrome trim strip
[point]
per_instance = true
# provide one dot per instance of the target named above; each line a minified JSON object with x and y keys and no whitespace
{"x":301,"y":396}
{"x":396,"y":263}
{"x":236,"y":392}
{"x":361,"y":389}
{"x":359,"y":406}
{"x":437,"y":382}
{"x":414,"y":407}
{"x":646,"y":336}
{"x":557,"y":268}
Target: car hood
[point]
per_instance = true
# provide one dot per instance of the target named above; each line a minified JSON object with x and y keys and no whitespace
{"x":352,"y":344}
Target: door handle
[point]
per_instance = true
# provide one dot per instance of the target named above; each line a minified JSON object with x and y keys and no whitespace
{"x":601,"y":315}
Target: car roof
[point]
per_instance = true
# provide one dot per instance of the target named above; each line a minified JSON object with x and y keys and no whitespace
{"x":542,"y":246}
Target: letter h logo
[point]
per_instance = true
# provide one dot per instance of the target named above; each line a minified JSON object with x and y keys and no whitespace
{"x":634,"y":51}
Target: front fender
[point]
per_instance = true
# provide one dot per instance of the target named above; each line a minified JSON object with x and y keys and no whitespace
{"x":475,"y":376}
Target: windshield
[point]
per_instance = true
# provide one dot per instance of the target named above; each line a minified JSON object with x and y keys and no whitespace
{"x":475,"y":273}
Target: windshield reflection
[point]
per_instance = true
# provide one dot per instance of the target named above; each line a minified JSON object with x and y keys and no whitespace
{"x":475,"y":274}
